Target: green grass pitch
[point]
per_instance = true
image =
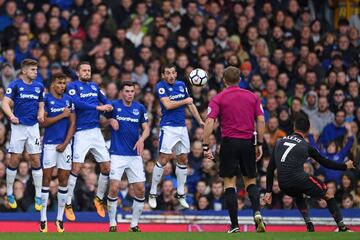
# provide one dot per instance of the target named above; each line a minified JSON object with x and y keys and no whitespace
{"x":183,"y":236}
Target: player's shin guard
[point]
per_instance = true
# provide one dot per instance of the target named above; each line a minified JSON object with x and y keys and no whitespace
{"x":156,"y":177}
{"x":61,"y":195}
{"x":181,"y":174}
{"x":232,"y":206}
{"x":44,"y":200}
{"x":10,"y":178}
{"x":303,"y":208}
{"x":71,"y":187}
{"x":112,"y":205}
{"x":102,"y":185}
{"x":37,"y":174}
{"x":335,"y":212}
{"x":138,"y":206}
{"x":254,"y":196}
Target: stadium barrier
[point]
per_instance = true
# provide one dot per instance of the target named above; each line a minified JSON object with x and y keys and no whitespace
{"x":183,"y":221}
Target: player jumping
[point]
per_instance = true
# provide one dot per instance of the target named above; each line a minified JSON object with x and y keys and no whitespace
{"x":127,"y":145}
{"x":26,"y":97}
{"x":87,"y":98}
{"x":174,"y":135}
{"x":59,"y":127}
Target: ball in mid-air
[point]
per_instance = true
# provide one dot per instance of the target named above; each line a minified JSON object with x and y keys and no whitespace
{"x":198,"y":77}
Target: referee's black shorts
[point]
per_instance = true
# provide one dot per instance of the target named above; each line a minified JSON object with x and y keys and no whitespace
{"x":237,"y":155}
{"x":310,"y":186}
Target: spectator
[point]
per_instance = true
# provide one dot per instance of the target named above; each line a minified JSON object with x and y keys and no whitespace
{"x":333,"y":130}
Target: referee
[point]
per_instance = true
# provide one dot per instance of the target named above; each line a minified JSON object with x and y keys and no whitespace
{"x":238,"y":110}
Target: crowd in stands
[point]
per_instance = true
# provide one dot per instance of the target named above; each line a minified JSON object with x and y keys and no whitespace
{"x":299,"y":57}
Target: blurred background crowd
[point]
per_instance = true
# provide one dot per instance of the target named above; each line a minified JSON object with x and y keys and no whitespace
{"x":299,"y":57}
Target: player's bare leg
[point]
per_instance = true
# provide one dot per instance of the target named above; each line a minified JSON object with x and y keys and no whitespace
{"x":231,"y":203}
{"x":138,"y":205}
{"x":37,"y":174}
{"x":102,"y":187}
{"x":47,"y":172}
{"x":335,"y":212}
{"x":254,"y":195}
{"x":156,"y":177}
{"x":63,"y":176}
{"x":75,"y":171}
{"x":11,"y":172}
{"x":112,"y":203}
{"x":181,"y":174}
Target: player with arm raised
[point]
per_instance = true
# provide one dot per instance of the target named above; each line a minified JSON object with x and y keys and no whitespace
{"x":59,"y":127}
{"x":127,"y":120}
{"x":289,"y":156}
{"x":88,"y":98}
{"x":174,"y":97}
{"x":25,"y":96}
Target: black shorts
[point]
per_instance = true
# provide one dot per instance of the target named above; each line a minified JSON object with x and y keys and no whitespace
{"x":310,"y":186}
{"x":237,"y":156}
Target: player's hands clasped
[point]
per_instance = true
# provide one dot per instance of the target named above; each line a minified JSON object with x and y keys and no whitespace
{"x":14,"y":120}
{"x":105,"y":108}
{"x":114,"y":124}
{"x":66,"y":113}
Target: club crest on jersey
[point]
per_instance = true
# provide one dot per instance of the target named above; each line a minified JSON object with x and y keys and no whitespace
{"x":161,"y":90}
{"x":93,"y":87}
{"x":181,"y":89}
{"x":37,"y":90}
{"x":136,"y":111}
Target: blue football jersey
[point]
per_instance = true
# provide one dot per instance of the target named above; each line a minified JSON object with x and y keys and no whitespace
{"x":175,"y":92}
{"x":86,"y":96}
{"x":56,"y":133}
{"x":26,"y":98}
{"x":130,"y":119}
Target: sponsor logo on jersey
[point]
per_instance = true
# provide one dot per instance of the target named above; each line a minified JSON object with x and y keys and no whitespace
{"x":127,"y":119}
{"x":37,"y":89}
{"x":29,"y":96}
{"x":93,"y":87}
{"x":54,"y":110}
{"x":136,"y":111}
{"x":177,"y":96}
{"x":161,"y":90}
{"x":85,"y":95}
{"x":181,"y":88}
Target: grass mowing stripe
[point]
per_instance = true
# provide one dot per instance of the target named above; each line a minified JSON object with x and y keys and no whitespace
{"x":182,"y":236}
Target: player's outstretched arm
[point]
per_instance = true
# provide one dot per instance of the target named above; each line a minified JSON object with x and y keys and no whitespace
{"x":208,"y":129}
{"x":6,"y":106}
{"x":328,"y":163}
{"x":70,"y":133}
{"x":196,"y":114}
{"x":169,"y":104}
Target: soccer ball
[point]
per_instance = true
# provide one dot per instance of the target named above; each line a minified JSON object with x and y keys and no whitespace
{"x":198,"y":77}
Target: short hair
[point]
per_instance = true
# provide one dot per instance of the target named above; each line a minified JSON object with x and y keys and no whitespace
{"x":167,"y":65}
{"x":126,"y":83}
{"x":27,"y":62}
{"x":232,"y":75}
{"x":302,"y":124}
{"x":82,"y":63}
{"x":58,"y":76}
